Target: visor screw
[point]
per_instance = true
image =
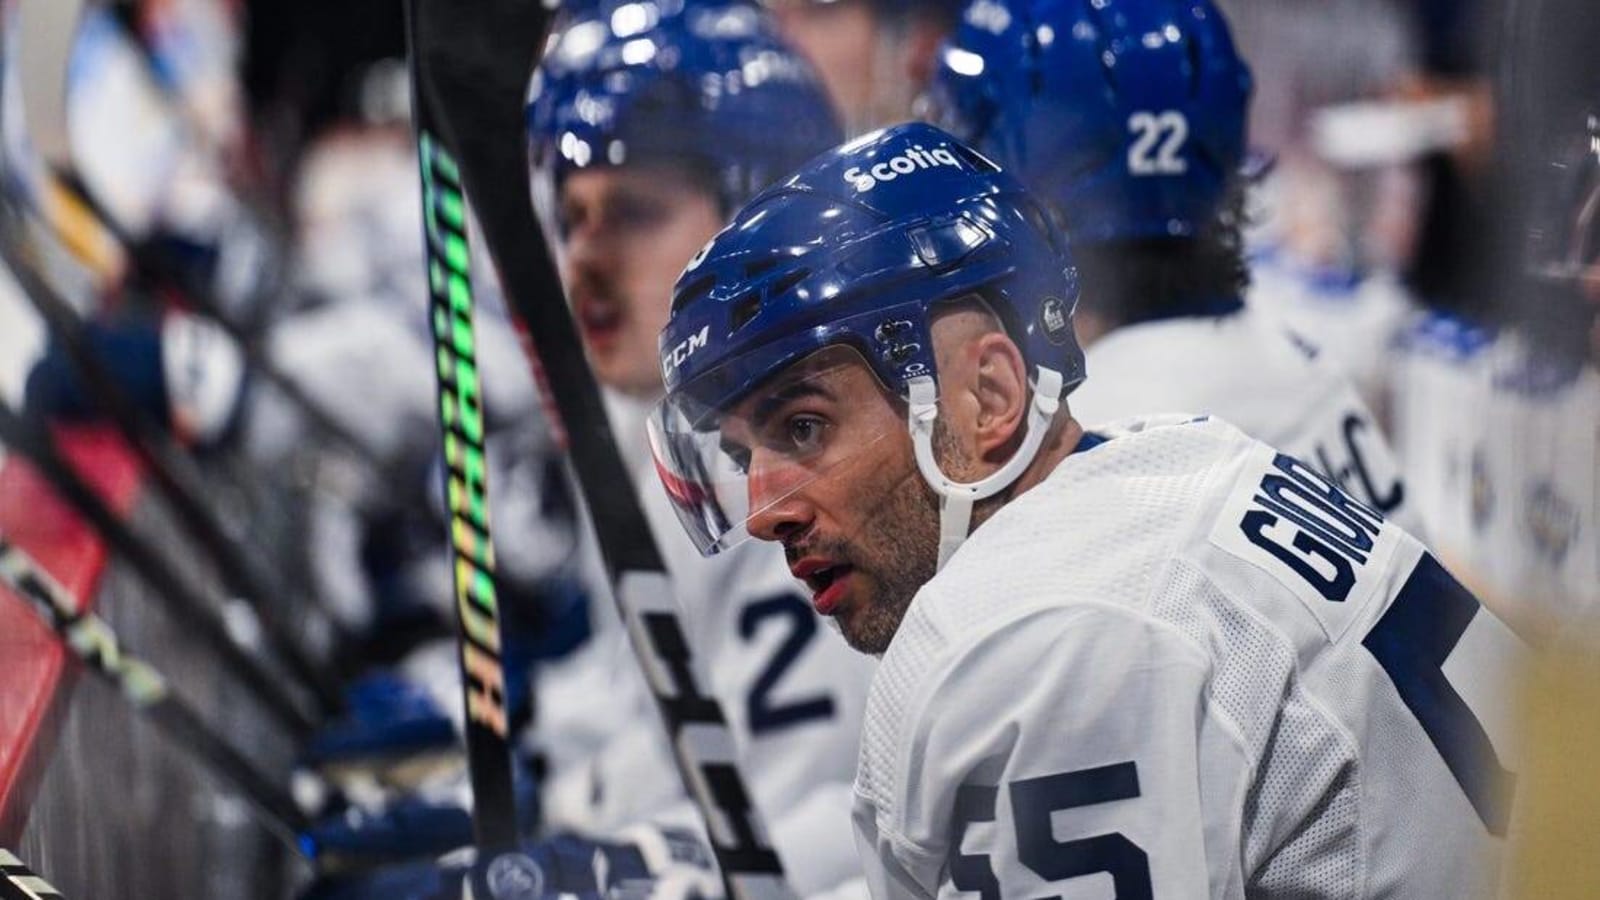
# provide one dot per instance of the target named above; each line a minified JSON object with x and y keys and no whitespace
{"x":899,"y":353}
{"x":888,"y":331}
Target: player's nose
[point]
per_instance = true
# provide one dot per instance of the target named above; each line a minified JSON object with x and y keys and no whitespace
{"x":779,"y":508}
{"x":588,"y":248}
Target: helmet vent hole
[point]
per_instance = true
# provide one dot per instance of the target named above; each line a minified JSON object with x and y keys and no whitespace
{"x":975,"y":159}
{"x":745,"y":309}
{"x":761,"y":267}
{"x":786,"y":283}
{"x":693,"y":290}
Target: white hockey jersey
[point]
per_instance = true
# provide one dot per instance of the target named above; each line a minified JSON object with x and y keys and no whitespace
{"x":1352,"y":321}
{"x":1247,"y":370}
{"x":1185,"y":665}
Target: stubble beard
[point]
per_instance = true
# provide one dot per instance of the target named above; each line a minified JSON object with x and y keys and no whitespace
{"x":897,"y":551}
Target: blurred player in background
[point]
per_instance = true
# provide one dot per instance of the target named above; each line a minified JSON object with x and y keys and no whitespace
{"x":649,"y":126}
{"x":1536,"y":471}
{"x":874,"y":56}
{"x":1142,"y":166}
{"x":1510,"y":490}
{"x":1165,"y":654}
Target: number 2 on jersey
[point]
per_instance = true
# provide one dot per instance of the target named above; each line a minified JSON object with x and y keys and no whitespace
{"x":765,"y":713}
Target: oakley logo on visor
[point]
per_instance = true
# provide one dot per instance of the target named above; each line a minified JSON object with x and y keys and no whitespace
{"x":906,"y":163}
{"x":680,"y":354}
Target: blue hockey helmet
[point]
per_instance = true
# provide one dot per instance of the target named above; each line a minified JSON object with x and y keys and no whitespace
{"x":949,"y":9}
{"x":858,"y":249}
{"x":705,"y":83}
{"x":1128,"y":115}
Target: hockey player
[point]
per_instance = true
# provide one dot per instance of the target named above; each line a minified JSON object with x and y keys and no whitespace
{"x":874,"y":56}
{"x":649,"y":126}
{"x":1143,"y":168}
{"x":1160,"y":653}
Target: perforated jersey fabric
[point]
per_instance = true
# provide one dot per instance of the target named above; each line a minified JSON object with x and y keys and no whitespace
{"x":1112,"y":681}
{"x":1248,"y":369}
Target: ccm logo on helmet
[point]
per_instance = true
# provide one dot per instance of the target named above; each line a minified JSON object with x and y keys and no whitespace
{"x":680,"y":354}
{"x":906,"y":163}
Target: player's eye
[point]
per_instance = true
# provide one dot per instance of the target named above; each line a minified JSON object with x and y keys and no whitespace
{"x":629,"y":211}
{"x":569,"y":218}
{"x":803,"y":433}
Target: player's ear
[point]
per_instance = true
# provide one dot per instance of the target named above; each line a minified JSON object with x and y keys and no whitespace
{"x":1000,"y":387}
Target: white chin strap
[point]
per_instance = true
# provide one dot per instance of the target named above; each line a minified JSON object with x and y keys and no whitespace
{"x":955,"y":510}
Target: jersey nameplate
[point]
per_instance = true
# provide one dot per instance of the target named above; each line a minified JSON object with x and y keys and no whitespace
{"x":1312,"y":537}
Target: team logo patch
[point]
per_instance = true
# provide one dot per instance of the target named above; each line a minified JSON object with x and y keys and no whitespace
{"x":513,"y":876}
{"x":1053,"y":316}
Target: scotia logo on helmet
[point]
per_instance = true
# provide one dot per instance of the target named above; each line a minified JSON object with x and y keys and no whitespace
{"x":910,"y":161}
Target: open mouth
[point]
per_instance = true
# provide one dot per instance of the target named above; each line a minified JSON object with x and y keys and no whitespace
{"x":600,"y":318}
{"x":827,"y":586}
{"x":821,"y":579}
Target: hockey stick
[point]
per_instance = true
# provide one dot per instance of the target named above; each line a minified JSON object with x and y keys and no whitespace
{"x":175,"y":593}
{"x":177,"y":482}
{"x":17,"y":881}
{"x":471,"y":60}
{"x":494,"y":820}
{"x":93,"y":642}
{"x":47,"y":29}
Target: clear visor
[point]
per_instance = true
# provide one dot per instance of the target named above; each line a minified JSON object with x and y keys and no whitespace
{"x":744,"y":469}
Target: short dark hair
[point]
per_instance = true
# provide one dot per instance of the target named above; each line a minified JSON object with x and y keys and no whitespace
{"x":1135,"y":280}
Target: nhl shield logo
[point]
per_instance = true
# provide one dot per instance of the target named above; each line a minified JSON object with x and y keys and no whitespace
{"x":1053,"y":317}
{"x":514,"y":876}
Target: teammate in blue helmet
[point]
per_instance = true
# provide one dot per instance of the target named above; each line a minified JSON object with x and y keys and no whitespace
{"x":1129,"y":118}
{"x":875,"y":56}
{"x":1159,"y":655}
{"x":650,"y":124}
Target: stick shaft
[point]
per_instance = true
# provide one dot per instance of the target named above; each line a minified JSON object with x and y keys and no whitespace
{"x":466,"y":478}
